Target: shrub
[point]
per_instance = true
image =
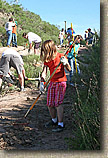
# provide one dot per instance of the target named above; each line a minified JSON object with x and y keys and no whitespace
{"x":31,"y":70}
{"x":87,"y":104}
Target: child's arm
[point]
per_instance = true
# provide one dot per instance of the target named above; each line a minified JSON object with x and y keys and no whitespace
{"x":43,"y":76}
{"x":44,"y":73}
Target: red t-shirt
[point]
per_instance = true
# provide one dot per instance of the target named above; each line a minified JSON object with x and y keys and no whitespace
{"x":59,"y":75}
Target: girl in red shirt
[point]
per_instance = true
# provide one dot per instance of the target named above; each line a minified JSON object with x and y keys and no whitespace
{"x":57,"y":86}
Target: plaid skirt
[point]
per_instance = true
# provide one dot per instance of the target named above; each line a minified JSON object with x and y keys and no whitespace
{"x":56,"y":92}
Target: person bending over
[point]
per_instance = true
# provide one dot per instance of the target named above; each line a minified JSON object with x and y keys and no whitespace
{"x":11,"y":58}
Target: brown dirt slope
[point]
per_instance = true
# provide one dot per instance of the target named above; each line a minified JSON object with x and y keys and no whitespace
{"x":31,"y":133}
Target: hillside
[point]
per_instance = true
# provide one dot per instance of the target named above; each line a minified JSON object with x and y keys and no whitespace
{"x":81,"y":102}
{"x":27,"y":22}
{"x":81,"y":109}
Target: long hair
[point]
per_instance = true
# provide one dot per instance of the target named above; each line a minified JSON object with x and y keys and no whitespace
{"x":48,"y":51}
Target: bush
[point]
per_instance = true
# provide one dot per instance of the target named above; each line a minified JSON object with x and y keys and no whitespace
{"x":83,"y":42}
{"x":29,"y":22}
{"x":31,"y":70}
{"x":87,"y":104}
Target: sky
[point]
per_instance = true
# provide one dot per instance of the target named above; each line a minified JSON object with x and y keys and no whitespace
{"x":83,"y":14}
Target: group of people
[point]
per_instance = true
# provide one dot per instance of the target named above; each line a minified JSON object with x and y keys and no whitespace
{"x":89,"y":36}
{"x":11,"y":31}
{"x":57,"y":86}
{"x":74,"y":52}
{"x":68,"y":33}
{"x":51,"y":58}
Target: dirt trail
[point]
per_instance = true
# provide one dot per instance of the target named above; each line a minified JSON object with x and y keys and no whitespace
{"x":33,"y":136}
{"x":20,"y":49}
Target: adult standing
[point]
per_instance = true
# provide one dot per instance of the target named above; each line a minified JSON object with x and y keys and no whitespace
{"x":90,"y":36}
{"x":69,"y":34}
{"x":86,"y":36}
{"x":32,"y":37}
{"x":11,"y":58}
{"x":8,"y":28}
{"x":61,"y":36}
{"x":14,"y":35}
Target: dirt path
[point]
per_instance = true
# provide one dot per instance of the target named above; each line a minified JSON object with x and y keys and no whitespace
{"x":33,"y":135}
{"x":20,"y":49}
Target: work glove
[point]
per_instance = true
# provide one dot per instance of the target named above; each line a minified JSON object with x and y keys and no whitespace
{"x":42,"y":87}
{"x":63,"y":60}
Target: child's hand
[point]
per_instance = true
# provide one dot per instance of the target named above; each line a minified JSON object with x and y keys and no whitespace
{"x":42,"y":87}
{"x":63,"y":60}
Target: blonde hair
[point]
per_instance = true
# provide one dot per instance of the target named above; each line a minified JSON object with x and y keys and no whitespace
{"x":48,"y":51}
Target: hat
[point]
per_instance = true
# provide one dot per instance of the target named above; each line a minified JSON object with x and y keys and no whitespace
{"x":89,"y":29}
{"x":16,"y":22}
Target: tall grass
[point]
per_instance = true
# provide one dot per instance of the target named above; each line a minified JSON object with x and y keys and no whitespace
{"x":87,"y":104}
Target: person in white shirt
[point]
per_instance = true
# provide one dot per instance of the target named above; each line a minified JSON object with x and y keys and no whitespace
{"x":32,"y":37}
{"x":11,"y":58}
{"x":8,"y":28}
{"x":61,"y":36}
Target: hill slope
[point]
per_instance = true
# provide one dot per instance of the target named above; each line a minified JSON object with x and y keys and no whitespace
{"x":27,"y":22}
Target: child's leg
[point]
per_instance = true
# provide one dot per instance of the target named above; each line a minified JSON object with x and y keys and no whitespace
{"x":53,"y":120}
{"x":51,"y":108}
{"x":52,"y":112}
{"x":70,"y":60}
{"x":60,"y":126}
{"x":59,"y":96}
{"x":55,"y":98}
{"x":60,"y":113}
{"x":78,"y":69}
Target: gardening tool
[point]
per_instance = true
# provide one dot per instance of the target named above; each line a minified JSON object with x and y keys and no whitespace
{"x":72,"y":32}
{"x":30,"y":79}
{"x":68,"y":50}
{"x":20,"y":122}
{"x":74,"y":47}
{"x":65,"y":27}
{"x":75,"y":60}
